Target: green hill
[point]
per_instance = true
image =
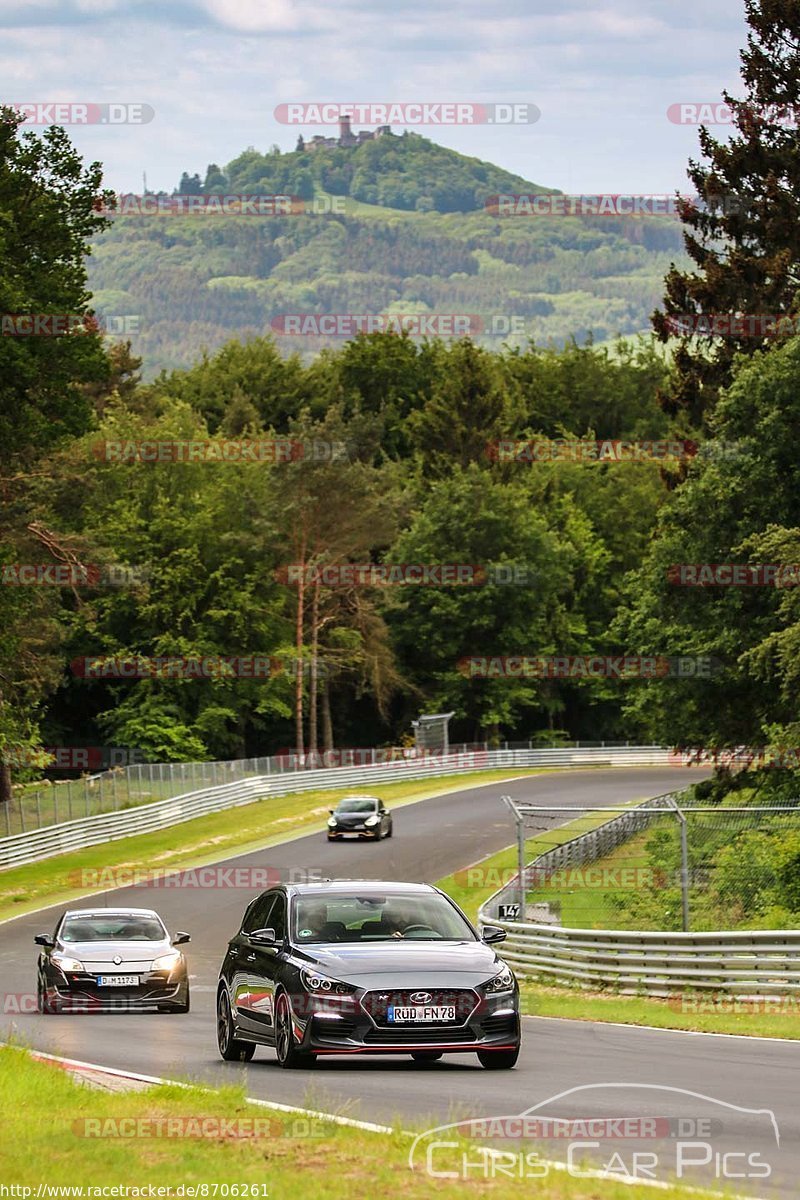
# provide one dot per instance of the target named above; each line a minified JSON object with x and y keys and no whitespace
{"x":409,"y":234}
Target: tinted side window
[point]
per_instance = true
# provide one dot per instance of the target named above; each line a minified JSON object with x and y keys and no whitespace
{"x":255,"y":917}
{"x":277,"y":917}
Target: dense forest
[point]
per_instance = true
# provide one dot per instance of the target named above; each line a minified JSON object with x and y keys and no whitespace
{"x":259,"y":504}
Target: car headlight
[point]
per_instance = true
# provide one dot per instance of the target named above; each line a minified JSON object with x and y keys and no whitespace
{"x":166,"y":962}
{"x":332,"y":822}
{"x":323,"y":985}
{"x":503,"y":981}
{"x":373,"y":820}
{"x":65,"y":963}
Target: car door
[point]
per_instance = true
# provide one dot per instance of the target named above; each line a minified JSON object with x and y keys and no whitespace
{"x":260,"y":967}
{"x":383,"y":813}
{"x":241,"y":958}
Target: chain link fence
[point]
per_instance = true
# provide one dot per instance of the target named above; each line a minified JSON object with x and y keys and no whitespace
{"x":672,"y":863}
{"x":51,"y":802}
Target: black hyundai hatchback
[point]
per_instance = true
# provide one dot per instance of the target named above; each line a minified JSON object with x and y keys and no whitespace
{"x":365,"y":968}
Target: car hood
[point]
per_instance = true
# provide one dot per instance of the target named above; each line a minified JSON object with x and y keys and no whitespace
{"x":404,"y":964}
{"x":105,"y":952}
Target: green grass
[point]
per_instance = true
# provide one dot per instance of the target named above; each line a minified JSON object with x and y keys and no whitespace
{"x":703,"y":1014}
{"x":47,"y":1117}
{"x":204,"y":840}
{"x":45,"y":802}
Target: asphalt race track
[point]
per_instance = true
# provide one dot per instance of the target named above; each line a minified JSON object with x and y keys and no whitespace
{"x":658,"y":1069}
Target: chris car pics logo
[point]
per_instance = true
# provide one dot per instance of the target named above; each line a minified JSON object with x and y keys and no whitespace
{"x":626,"y":1132}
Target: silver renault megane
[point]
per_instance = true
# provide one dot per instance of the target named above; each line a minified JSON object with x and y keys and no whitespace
{"x":117,"y":958}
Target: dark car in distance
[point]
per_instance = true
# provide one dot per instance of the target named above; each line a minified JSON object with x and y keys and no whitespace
{"x":121,"y":959}
{"x":359,"y":817}
{"x":358,"y":967}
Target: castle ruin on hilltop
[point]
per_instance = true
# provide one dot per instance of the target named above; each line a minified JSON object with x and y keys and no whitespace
{"x":346,"y":137}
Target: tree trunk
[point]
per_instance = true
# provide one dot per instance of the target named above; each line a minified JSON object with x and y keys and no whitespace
{"x":313,"y":681}
{"x":5,"y":783}
{"x":298,"y":695}
{"x":327,"y":724}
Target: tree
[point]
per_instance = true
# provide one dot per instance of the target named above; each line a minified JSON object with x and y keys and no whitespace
{"x":48,"y":212}
{"x":744,"y":238}
{"x":739,"y":508}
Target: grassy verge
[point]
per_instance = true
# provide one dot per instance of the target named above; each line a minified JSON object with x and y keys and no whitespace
{"x":203,"y":840}
{"x":472,"y":886}
{"x":700,"y":1014}
{"x":59,"y":1133}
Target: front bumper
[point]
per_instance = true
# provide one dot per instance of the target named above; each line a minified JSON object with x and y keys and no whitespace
{"x":357,"y":1025}
{"x":366,"y":834}
{"x":81,"y":993}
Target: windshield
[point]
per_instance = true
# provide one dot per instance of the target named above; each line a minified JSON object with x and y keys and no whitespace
{"x":357,"y":806}
{"x":398,"y":917}
{"x":122,"y":927}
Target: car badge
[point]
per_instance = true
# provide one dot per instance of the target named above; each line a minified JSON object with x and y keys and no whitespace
{"x":117,"y":959}
{"x":420,"y":997}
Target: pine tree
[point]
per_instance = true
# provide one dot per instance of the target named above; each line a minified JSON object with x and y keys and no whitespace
{"x":744,"y":233}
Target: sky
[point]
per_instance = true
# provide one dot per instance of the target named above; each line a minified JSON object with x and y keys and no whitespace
{"x":213,"y":73}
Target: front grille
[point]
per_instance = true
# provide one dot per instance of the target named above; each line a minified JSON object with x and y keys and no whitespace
{"x":377,"y":1004}
{"x":422,"y":1035}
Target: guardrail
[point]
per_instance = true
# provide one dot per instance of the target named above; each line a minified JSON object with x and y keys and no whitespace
{"x":743,"y":964}
{"x":145,"y":818}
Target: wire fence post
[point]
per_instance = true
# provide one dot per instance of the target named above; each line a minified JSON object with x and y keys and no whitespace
{"x":679,"y":813}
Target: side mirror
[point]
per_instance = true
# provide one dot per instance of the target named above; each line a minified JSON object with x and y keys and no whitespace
{"x":493,"y":933}
{"x":331,"y":811}
{"x":44,"y":939}
{"x":264,"y":937}
{"x":180,"y":938}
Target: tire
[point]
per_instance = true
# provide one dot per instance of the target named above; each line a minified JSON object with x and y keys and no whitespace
{"x":289,"y":1057}
{"x":230,"y":1047}
{"x":426,"y":1056}
{"x":498,"y":1060}
{"x":389,"y":830}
